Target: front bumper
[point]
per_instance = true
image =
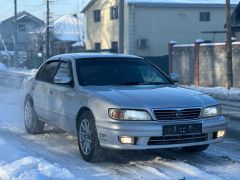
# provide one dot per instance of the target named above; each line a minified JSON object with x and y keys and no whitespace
{"x":143,"y":131}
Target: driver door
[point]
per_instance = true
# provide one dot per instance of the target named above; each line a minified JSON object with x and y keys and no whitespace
{"x":63,"y":96}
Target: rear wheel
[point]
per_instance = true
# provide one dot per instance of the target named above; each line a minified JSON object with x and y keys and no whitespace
{"x":88,"y":142}
{"x":198,"y":148}
{"x":32,"y":124}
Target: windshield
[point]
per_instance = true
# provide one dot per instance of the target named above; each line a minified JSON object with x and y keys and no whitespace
{"x":118,"y":71}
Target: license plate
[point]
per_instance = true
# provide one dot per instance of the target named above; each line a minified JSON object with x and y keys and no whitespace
{"x":182,"y":129}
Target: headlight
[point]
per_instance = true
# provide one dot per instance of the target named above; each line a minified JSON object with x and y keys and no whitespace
{"x":212,"y":111}
{"x":138,"y":115}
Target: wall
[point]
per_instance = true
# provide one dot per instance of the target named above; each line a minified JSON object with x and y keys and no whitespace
{"x":161,"y":24}
{"x":104,"y":31}
{"x":212,"y":64}
{"x":183,"y":63}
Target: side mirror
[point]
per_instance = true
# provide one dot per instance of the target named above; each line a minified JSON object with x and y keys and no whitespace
{"x":174,"y":77}
{"x":62,"y":79}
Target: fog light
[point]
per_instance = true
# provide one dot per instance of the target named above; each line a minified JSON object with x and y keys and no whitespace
{"x":126,"y":140}
{"x":221,"y":133}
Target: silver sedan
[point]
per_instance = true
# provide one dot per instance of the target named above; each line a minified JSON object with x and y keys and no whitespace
{"x":119,"y":102}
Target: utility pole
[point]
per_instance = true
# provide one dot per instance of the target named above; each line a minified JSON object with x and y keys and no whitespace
{"x":229,"y":46}
{"x":121,"y":26}
{"x":15,"y":35}
{"x":47,"y":30}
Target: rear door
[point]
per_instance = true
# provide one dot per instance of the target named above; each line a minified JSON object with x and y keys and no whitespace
{"x":41,"y":90}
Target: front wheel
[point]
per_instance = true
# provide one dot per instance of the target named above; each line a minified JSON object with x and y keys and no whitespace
{"x":198,"y":148}
{"x":88,"y":142}
{"x":32,"y":124}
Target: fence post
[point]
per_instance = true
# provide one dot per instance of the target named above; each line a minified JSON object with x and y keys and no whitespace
{"x":170,"y":56}
{"x":197,"y":61}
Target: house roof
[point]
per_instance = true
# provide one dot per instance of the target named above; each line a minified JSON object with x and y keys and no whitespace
{"x":22,"y":15}
{"x":214,"y":3}
{"x":199,"y":2}
{"x":69,"y":28}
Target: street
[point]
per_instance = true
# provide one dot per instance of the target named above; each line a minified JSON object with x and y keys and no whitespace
{"x":59,"y":148}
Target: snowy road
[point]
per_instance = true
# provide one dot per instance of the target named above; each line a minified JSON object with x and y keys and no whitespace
{"x":55,"y":155}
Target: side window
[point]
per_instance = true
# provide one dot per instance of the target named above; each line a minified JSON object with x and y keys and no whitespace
{"x":40,"y":73}
{"x":64,"y":70}
{"x":47,"y":72}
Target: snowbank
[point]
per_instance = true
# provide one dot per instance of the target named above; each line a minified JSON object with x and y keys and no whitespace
{"x":3,"y":67}
{"x":219,"y":92}
{"x":27,"y":167}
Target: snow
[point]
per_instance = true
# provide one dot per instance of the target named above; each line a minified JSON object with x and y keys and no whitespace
{"x":204,"y":44}
{"x":20,"y":71}
{"x":184,"y":45}
{"x":69,"y":28}
{"x":3,"y":67}
{"x":7,"y":53}
{"x":32,"y":168}
{"x":221,"y":2}
{"x":219,"y":92}
{"x":78,"y":44}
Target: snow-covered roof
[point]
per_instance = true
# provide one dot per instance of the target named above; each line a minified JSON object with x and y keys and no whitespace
{"x":69,"y":28}
{"x":181,"y":1}
{"x":78,"y":44}
{"x":213,"y":3}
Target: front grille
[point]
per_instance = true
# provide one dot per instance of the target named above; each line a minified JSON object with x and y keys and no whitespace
{"x":177,"y":139}
{"x":174,"y":114}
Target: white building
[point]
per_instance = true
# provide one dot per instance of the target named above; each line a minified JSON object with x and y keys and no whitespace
{"x":144,"y":27}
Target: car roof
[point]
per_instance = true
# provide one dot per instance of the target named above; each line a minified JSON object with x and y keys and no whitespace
{"x":93,"y":55}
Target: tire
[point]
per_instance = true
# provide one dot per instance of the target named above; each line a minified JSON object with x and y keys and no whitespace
{"x":199,"y":148}
{"x":32,"y":124}
{"x":88,"y":141}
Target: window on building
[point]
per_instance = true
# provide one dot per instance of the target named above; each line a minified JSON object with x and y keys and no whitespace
{"x":97,"y":15}
{"x":97,"y":46}
{"x":21,"y":27}
{"x":204,"y":16}
{"x":114,"y":12}
{"x":114,"y":46}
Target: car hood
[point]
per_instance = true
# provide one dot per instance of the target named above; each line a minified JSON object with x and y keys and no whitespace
{"x":152,"y":96}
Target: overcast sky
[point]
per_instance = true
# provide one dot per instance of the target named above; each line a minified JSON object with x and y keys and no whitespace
{"x":38,"y":7}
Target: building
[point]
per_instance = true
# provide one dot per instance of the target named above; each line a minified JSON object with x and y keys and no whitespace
{"x":145,"y":27}
{"x":26,"y":23}
{"x":68,"y":34}
{"x":236,"y":22}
